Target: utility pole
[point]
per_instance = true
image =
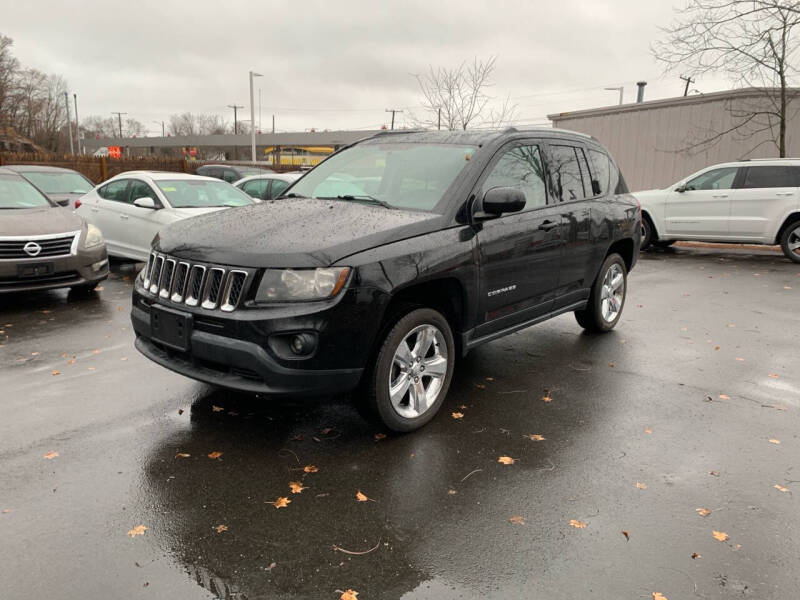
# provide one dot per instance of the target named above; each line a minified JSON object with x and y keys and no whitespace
{"x":439,"y":123}
{"x":77,"y":130}
{"x":252,"y":119}
{"x":119,"y":119}
{"x":688,"y":80}
{"x":393,"y":111}
{"x":235,"y":108}
{"x":273,"y":123}
{"x":259,"y":110}
{"x":69,"y":124}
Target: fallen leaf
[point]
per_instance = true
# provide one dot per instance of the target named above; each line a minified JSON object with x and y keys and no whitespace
{"x":327,"y":430}
{"x":71,"y":361}
{"x":182,"y":455}
{"x":780,"y":488}
{"x":310,"y":469}
{"x":138,"y":530}
{"x":379,"y":436}
{"x":774,"y":441}
{"x":773,"y":375}
{"x":506,"y":460}
{"x":296,"y":438}
{"x":740,"y":359}
{"x":517,"y":520}
{"x":221,"y":528}
{"x":271,"y":566}
{"x":63,"y":355}
{"x":577,"y":524}
{"x":659,"y":596}
{"x":5,"y":511}
{"x":535,"y":437}
{"x":180,"y":411}
{"x":695,"y":555}
{"x":627,"y":535}
{"x":296,"y":487}
{"x":52,"y":454}
{"x":490,"y":379}
{"x":641,"y":486}
{"x":480,"y":386}
{"x":714,"y":473}
{"x":724,"y":397}
{"x":91,"y":369}
{"x":56,"y":372}
{"x":95,"y":351}
{"x":215,"y":408}
{"x":281,"y":502}
{"x":547,"y":398}
{"x":451,"y":492}
{"x":457,"y":415}
{"x":611,"y":365}
{"x":124,"y":358}
{"x":703,"y":512}
{"x":648,"y":430}
{"x":720,"y":535}
{"x":349,"y":595}
{"x":214,"y":455}
{"x":716,"y":347}
{"x":361,"y":497}
{"x":99,"y":288}
{"x":34,"y":354}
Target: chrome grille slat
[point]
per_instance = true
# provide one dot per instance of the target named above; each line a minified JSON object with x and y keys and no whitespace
{"x":51,"y":246}
{"x":211,"y":287}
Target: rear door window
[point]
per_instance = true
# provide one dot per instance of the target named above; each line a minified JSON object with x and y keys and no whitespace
{"x":771,"y":177}
{"x":601,"y":171}
{"x":588,"y":190}
{"x":115,"y":191}
{"x":565,"y":173}
{"x":256,"y":188}
{"x":278,"y":186}
{"x":140,"y":189}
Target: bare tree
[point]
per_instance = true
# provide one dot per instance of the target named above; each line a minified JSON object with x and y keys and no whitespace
{"x":9,"y":66}
{"x":753,"y":42}
{"x":460,"y":95}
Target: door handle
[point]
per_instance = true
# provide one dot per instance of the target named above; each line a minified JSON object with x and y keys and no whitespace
{"x":547,"y":225}
{"x":124,"y":217}
{"x":719,"y":196}
{"x":784,"y":193}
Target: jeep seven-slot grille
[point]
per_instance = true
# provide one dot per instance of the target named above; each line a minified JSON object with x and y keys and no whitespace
{"x":181,"y":282}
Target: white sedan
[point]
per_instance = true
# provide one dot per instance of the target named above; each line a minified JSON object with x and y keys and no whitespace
{"x":132,"y":207}
{"x":268,"y":185}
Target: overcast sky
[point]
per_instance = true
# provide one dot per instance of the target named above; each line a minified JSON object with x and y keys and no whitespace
{"x":337,"y":65}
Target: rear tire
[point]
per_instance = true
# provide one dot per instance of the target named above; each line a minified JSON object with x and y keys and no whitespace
{"x":607,"y":299}
{"x":411,"y":373}
{"x":790,"y":241}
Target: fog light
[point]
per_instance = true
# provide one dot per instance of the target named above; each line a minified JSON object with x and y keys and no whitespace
{"x":298,"y":344}
{"x":99,"y":265}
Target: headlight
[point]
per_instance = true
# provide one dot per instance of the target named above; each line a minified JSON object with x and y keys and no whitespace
{"x":94,"y":237}
{"x":287,"y":285}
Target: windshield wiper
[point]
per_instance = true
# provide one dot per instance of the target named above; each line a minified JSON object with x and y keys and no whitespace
{"x":360,"y":198}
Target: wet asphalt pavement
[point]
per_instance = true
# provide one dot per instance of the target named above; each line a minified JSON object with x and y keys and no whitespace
{"x":680,"y":408}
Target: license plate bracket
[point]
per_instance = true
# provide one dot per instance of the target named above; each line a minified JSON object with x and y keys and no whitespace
{"x":170,"y":327}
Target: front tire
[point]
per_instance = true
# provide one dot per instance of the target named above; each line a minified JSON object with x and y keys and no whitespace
{"x":412,"y":371}
{"x":607,"y":299}
{"x":790,"y":242}
{"x":648,"y":233}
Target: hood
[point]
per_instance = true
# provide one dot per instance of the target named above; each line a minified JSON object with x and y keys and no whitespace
{"x":38,"y":221}
{"x":300,"y":232}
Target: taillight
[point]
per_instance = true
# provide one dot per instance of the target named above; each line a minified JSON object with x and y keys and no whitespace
{"x":77,"y":204}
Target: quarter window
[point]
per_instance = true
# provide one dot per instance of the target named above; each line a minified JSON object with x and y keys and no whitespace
{"x":566,"y":174}
{"x":601,"y":169}
{"x":520,"y":168}
{"x":771,"y":177}
{"x":114,"y":191}
{"x":716,"y":179}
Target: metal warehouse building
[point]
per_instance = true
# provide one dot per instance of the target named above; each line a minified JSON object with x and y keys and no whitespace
{"x":657,"y":143}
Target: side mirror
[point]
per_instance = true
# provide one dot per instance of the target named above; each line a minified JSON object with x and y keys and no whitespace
{"x":499,"y":200}
{"x":63,"y":202}
{"x":144,"y":203}
{"x":680,"y":189}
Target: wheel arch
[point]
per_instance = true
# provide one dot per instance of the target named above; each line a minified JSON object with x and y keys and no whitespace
{"x":625,"y":247}
{"x":790,"y":219}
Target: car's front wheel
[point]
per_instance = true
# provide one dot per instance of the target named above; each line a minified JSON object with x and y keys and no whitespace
{"x":412,"y":371}
{"x":647,"y":233}
{"x":604,"y":308}
{"x":790,"y":242}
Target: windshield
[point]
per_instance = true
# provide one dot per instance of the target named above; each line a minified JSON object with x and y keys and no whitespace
{"x":193,"y":193}
{"x":399,"y":175}
{"x":15,"y":192}
{"x":55,"y":182}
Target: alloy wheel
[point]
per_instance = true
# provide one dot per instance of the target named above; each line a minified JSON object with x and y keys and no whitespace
{"x":418,"y":371}
{"x":613,"y":293}
{"x":794,"y":241}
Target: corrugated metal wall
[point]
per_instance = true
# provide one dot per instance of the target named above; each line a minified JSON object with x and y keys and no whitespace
{"x":649,"y":141}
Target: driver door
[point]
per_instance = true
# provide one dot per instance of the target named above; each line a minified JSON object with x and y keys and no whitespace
{"x":138,"y":225}
{"x":520,"y":253}
{"x":702,"y":210}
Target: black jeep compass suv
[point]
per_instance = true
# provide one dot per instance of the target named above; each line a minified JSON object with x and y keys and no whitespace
{"x":389,"y":259}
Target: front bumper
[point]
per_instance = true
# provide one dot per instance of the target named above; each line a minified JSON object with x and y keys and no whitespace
{"x":237,"y":349}
{"x":83,"y":268}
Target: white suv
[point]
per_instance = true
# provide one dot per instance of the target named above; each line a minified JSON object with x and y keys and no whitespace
{"x":752,"y":202}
